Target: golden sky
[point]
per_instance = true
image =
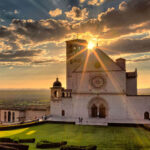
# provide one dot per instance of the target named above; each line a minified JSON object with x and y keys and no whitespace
{"x":33,"y":35}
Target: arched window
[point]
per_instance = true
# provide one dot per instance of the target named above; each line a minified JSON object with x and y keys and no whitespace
{"x":13,"y":118}
{"x":93,"y":111}
{"x":5,"y":116}
{"x":146,"y":115}
{"x":9,"y":116}
{"x":63,"y":94}
{"x":102,"y":111}
{"x":56,"y":94}
{"x":63,"y":113}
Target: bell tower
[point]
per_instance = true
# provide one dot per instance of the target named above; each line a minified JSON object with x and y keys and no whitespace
{"x":56,"y":90}
{"x":73,"y":50}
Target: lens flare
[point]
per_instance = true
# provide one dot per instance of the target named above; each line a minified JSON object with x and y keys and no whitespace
{"x":91,"y":45}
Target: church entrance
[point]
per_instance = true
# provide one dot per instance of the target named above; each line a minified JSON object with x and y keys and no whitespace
{"x":94,"y":111}
{"x":98,"y":108}
{"x":102,"y":111}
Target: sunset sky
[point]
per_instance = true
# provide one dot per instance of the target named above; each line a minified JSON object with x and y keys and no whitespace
{"x":33,"y":35}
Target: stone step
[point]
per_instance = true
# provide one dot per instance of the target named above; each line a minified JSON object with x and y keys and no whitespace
{"x":92,"y":123}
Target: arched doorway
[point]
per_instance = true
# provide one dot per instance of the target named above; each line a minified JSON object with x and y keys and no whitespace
{"x":93,"y":111}
{"x":9,"y":116}
{"x":98,"y":108}
{"x":146,"y":115}
{"x":13,"y":118}
{"x":102,"y":111}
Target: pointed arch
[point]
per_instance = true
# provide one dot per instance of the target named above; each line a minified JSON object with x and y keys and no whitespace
{"x":94,"y":111}
{"x":9,"y":116}
{"x":98,"y":107}
{"x":102,"y":111}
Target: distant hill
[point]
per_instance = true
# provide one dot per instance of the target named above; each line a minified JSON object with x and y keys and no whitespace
{"x":24,"y":97}
{"x":144,"y":91}
{"x":35,"y":97}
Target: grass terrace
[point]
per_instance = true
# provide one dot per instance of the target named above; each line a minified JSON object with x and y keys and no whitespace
{"x":106,"y":138}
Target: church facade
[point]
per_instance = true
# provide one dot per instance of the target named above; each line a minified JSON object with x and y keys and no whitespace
{"x":99,"y":90}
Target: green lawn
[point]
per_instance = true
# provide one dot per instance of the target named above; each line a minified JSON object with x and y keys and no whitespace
{"x":106,"y":138}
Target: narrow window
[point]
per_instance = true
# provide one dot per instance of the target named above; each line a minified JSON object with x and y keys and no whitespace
{"x":146,"y":115}
{"x":13,"y":117}
{"x":63,"y":113}
{"x":9,"y":116}
{"x":56,"y":94}
{"x":5,"y":116}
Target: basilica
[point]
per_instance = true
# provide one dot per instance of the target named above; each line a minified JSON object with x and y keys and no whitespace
{"x":99,"y":90}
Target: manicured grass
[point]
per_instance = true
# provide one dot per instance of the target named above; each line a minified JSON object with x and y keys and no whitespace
{"x":106,"y":138}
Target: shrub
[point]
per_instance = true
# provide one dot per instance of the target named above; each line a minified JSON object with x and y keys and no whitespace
{"x":6,"y":140}
{"x":3,"y":147}
{"x":48,"y":144}
{"x":26,"y":140}
{"x":15,"y":145}
{"x":71,"y":147}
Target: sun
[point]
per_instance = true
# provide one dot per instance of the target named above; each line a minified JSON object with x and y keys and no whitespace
{"x":91,"y":45}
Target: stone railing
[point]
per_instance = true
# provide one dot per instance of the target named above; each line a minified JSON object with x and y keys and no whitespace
{"x":66,"y":93}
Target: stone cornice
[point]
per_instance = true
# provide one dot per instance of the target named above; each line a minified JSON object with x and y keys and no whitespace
{"x":84,"y":93}
{"x":100,"y":71}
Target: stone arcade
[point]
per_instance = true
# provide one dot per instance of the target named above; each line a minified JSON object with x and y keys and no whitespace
{"x":99,"y":90}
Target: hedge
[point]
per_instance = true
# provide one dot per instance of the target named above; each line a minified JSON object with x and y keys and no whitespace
{"x":3,"y":147}
{"x":71,"y":147}
{"x":7,"y":140}
{"x":26,"y":140}
{"x":48,"y":144}
{"x":15,"y":145}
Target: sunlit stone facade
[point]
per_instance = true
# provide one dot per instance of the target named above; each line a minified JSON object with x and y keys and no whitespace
{"x":99,"y":90}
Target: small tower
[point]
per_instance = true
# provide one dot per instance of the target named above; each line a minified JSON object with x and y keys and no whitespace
{"x":56,"y":90}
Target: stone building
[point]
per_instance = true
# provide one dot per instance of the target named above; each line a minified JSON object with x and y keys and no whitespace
{"x":22,"y":114}
{"x":99,"y":90}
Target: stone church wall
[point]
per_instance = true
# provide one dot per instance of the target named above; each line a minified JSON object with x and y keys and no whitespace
{"x":65,"y":104}
{"x":115,"y":104}
{"x":137,"y":106}
{"x":113,"y":82}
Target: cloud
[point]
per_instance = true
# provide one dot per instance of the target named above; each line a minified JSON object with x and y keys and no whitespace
{"x":19,"y":54}
{"x":27,"y":57}
{"x":95,"y":2}
{"x":55,"y":13}
{"x":77,"y":14}
{"x":131,"y":18}
{"x":129,"y":46}
{"x":133,"y":12}
{"x":16,"y":11}
{"x":2,"y":20}
{"x":82,"y":1}
{"x":140,"y":59}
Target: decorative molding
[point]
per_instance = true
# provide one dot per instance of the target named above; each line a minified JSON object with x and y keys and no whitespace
{"x":97,"y":82}
{"x":84,"y":93}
